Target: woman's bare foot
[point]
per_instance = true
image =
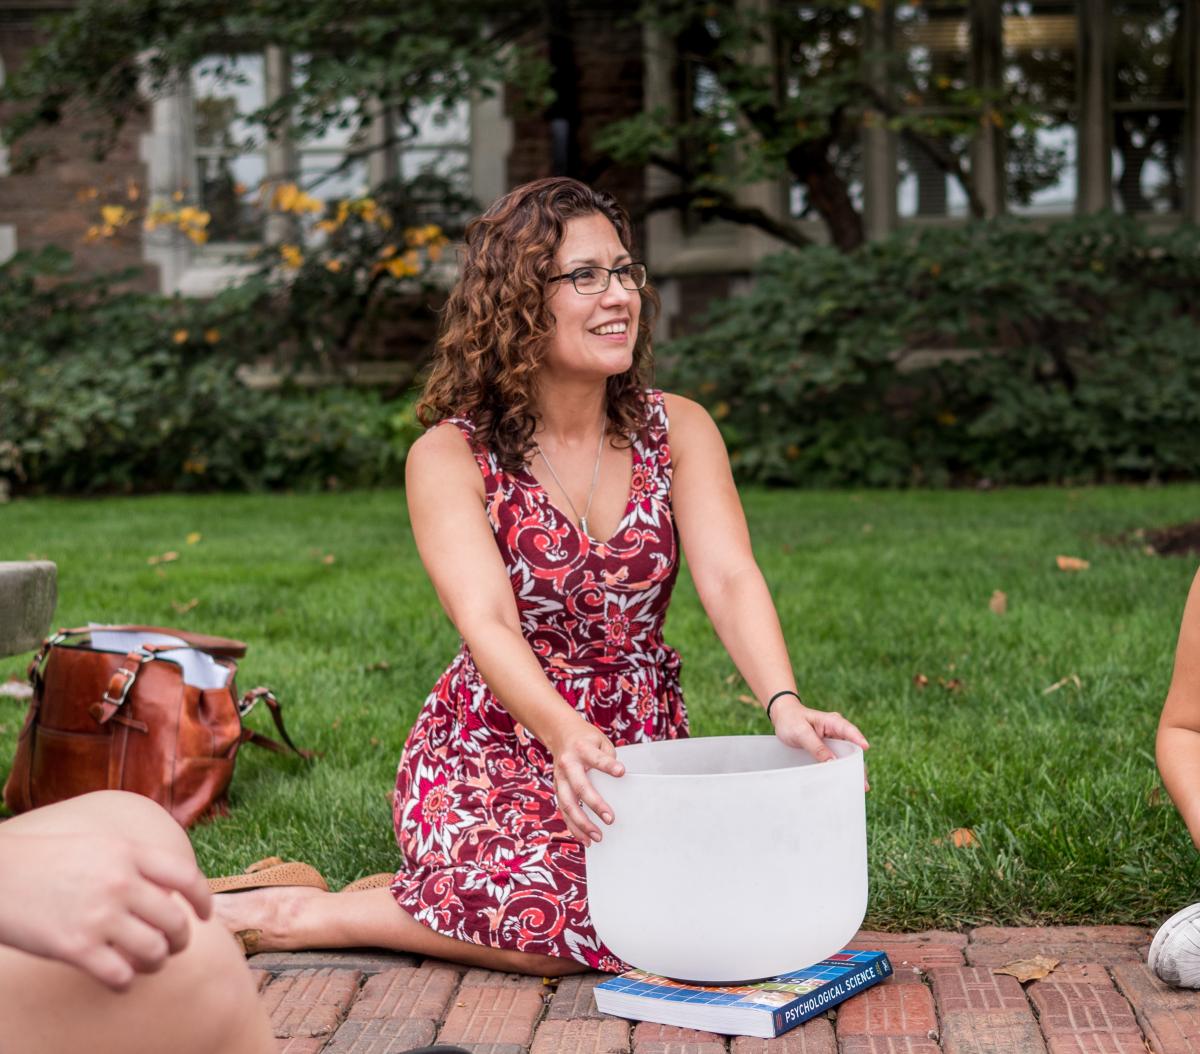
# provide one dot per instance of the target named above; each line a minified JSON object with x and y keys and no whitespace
{"x":264,"y":920}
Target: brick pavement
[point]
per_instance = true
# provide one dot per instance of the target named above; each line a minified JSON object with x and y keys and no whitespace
{"x":943,"y":999}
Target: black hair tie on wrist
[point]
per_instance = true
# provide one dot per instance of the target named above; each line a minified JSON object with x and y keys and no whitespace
{"x":786,"y":691}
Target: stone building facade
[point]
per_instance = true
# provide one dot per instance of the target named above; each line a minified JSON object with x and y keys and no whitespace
{"x":1126,"y":121}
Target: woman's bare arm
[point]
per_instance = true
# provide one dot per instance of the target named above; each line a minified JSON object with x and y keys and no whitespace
{"x":446,"y":506}
{"x":716,"y":542}
{"x":1178,"y":744}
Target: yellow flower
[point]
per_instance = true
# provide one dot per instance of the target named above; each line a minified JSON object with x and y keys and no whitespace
{"x":212,"y":335}
{"x":177,"y":196}
{"x":115,"y":215}
{"x":291,"y":255}
{"x":721,"y":410}
{"x":199,"y":237}
{"x":435,"y":252}
{"x":333,"y":265}
{"x":947,"y":418}
{"x":132,"y":190}
{"x":387,"y":251}
{"x":180,"y":336}
{"x":400,"y":267}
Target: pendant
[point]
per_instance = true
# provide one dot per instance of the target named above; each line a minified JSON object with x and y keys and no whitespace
{"x":583,"y":526}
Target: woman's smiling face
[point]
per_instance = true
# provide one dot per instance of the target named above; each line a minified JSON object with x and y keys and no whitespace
{"x":594,"y":334}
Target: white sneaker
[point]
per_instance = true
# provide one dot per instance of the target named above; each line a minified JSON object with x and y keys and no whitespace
{"x":1175,"y":952}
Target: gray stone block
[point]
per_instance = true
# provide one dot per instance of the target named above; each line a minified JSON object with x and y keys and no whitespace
{"x":28,"y":595}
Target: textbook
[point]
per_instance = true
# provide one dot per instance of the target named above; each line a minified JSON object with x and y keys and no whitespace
{"x":765,"y":1008}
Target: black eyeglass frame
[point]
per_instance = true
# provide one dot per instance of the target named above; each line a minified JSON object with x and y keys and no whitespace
{"x":611,"y":271}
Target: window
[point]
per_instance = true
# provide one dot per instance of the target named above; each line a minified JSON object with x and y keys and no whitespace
{"x":231,"y":163}
{"x":1039,"y":45}
{"x":1149,"y":106}
{"x":430,"y":150}
{"x":934,"y":38}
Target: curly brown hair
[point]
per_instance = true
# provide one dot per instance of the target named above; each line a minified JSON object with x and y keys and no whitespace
{"x":496,"y":325}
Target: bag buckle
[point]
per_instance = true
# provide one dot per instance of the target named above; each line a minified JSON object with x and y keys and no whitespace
{"x":141,"y":655}
{"x":246,"y":702}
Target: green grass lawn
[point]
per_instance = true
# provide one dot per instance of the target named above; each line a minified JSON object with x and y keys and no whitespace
{"x":873,"y":588}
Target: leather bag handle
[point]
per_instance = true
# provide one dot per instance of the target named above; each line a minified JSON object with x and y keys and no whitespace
{"x":246,"y":704}
{"x":218,"y":647}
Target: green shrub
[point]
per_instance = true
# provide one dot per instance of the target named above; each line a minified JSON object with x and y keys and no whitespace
{"x":110,"y":390}
{"x":1064,"y":353}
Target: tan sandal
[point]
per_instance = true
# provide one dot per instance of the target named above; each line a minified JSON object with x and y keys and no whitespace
{"x":379,"y":881}
{"x":270,"y":872}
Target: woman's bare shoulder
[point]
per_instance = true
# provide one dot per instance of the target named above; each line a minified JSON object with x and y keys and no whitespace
{"x":443,"y":452}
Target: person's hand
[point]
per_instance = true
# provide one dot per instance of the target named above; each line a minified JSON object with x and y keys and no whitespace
{"x":103,"y":904}
{"x":578,"y":747}
{"x":801,"y":726}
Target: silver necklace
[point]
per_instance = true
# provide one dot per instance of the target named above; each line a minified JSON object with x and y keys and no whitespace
{"x":583,"y":524}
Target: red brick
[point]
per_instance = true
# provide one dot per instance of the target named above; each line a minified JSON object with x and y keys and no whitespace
{"x":813,"y":1037}
{"x":502,"y":1015}
{"x":868,"y":940}
{"x":408,"y":993}
{"x":1070,"y":1008}
{"x":651,"y":1038}
{"x":610,"y":1036}
{"x":888,"y":1010}
{"x":364,"y":961}
{"x":262,"y":978}
{"x":992,"y":1032}
{"x":573,"y":999}
{"x":888,"y":1045}
{"x":922,"y":950}
{"x":1066,"y":952}
{"x":1098,"y":1043}
{"x":1170,"y":1017}
{"x":905,"y":973}
{"x":974,"y":989}
{"x":303,"y":1045}
{"x":381,"y":1036}
{"x":310,"y":1002}
{"x":502,"y":979}
{"x":1135,"y":935}
{"x":1081,"y":973}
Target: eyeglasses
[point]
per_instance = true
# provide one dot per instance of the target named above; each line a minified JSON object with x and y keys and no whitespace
{"x":589,"y":280}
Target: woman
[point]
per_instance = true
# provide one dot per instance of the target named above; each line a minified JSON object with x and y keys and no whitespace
{"x":548,"y":500}
{"x":1175,"y":952}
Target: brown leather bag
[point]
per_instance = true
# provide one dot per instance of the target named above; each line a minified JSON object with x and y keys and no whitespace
{"x":103,"y":720}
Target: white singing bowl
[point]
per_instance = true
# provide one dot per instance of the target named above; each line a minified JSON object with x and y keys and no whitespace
{"x":730,"y":858}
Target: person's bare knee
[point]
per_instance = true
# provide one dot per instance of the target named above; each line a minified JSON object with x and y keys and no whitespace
{"x":108,"y":812}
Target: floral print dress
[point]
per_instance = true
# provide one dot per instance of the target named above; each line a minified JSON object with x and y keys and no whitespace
{"x":487,"y":856}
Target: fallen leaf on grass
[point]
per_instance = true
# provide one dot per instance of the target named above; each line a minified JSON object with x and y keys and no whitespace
{"x":963,"y":838}
{"x":328,"y":558}
{"x":1071,"y":563}
{"x":749,"y":700}
{"x":952,"y":685}
{"x":920,"y":680}
{"x":194,"y":537}
{"x":999,"y":602}
{"x":382,"y":664}
{"x":1154,"y":798}
{"x":16,"y":690}
{"x":164,"y":558}
{"x":1071,"y":678}
{"x":1026,"y":970}
{"x":183,"y":607}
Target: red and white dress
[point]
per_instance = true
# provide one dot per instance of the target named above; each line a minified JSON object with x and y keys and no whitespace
{"x":487,"y":856}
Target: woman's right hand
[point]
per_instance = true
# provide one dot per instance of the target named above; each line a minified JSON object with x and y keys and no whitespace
{"x":578,"y":747}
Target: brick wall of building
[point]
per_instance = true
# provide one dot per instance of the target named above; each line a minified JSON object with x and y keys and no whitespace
{"x":607,"y":48}
{"x":53,"y":204}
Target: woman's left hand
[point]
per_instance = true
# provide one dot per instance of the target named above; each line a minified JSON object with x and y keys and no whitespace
{"x":801,"y":726}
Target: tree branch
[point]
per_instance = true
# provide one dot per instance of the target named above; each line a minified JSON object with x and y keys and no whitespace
{"x":723,"y":207}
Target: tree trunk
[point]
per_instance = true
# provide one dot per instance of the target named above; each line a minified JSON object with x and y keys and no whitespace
{"x":829,"y":195}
